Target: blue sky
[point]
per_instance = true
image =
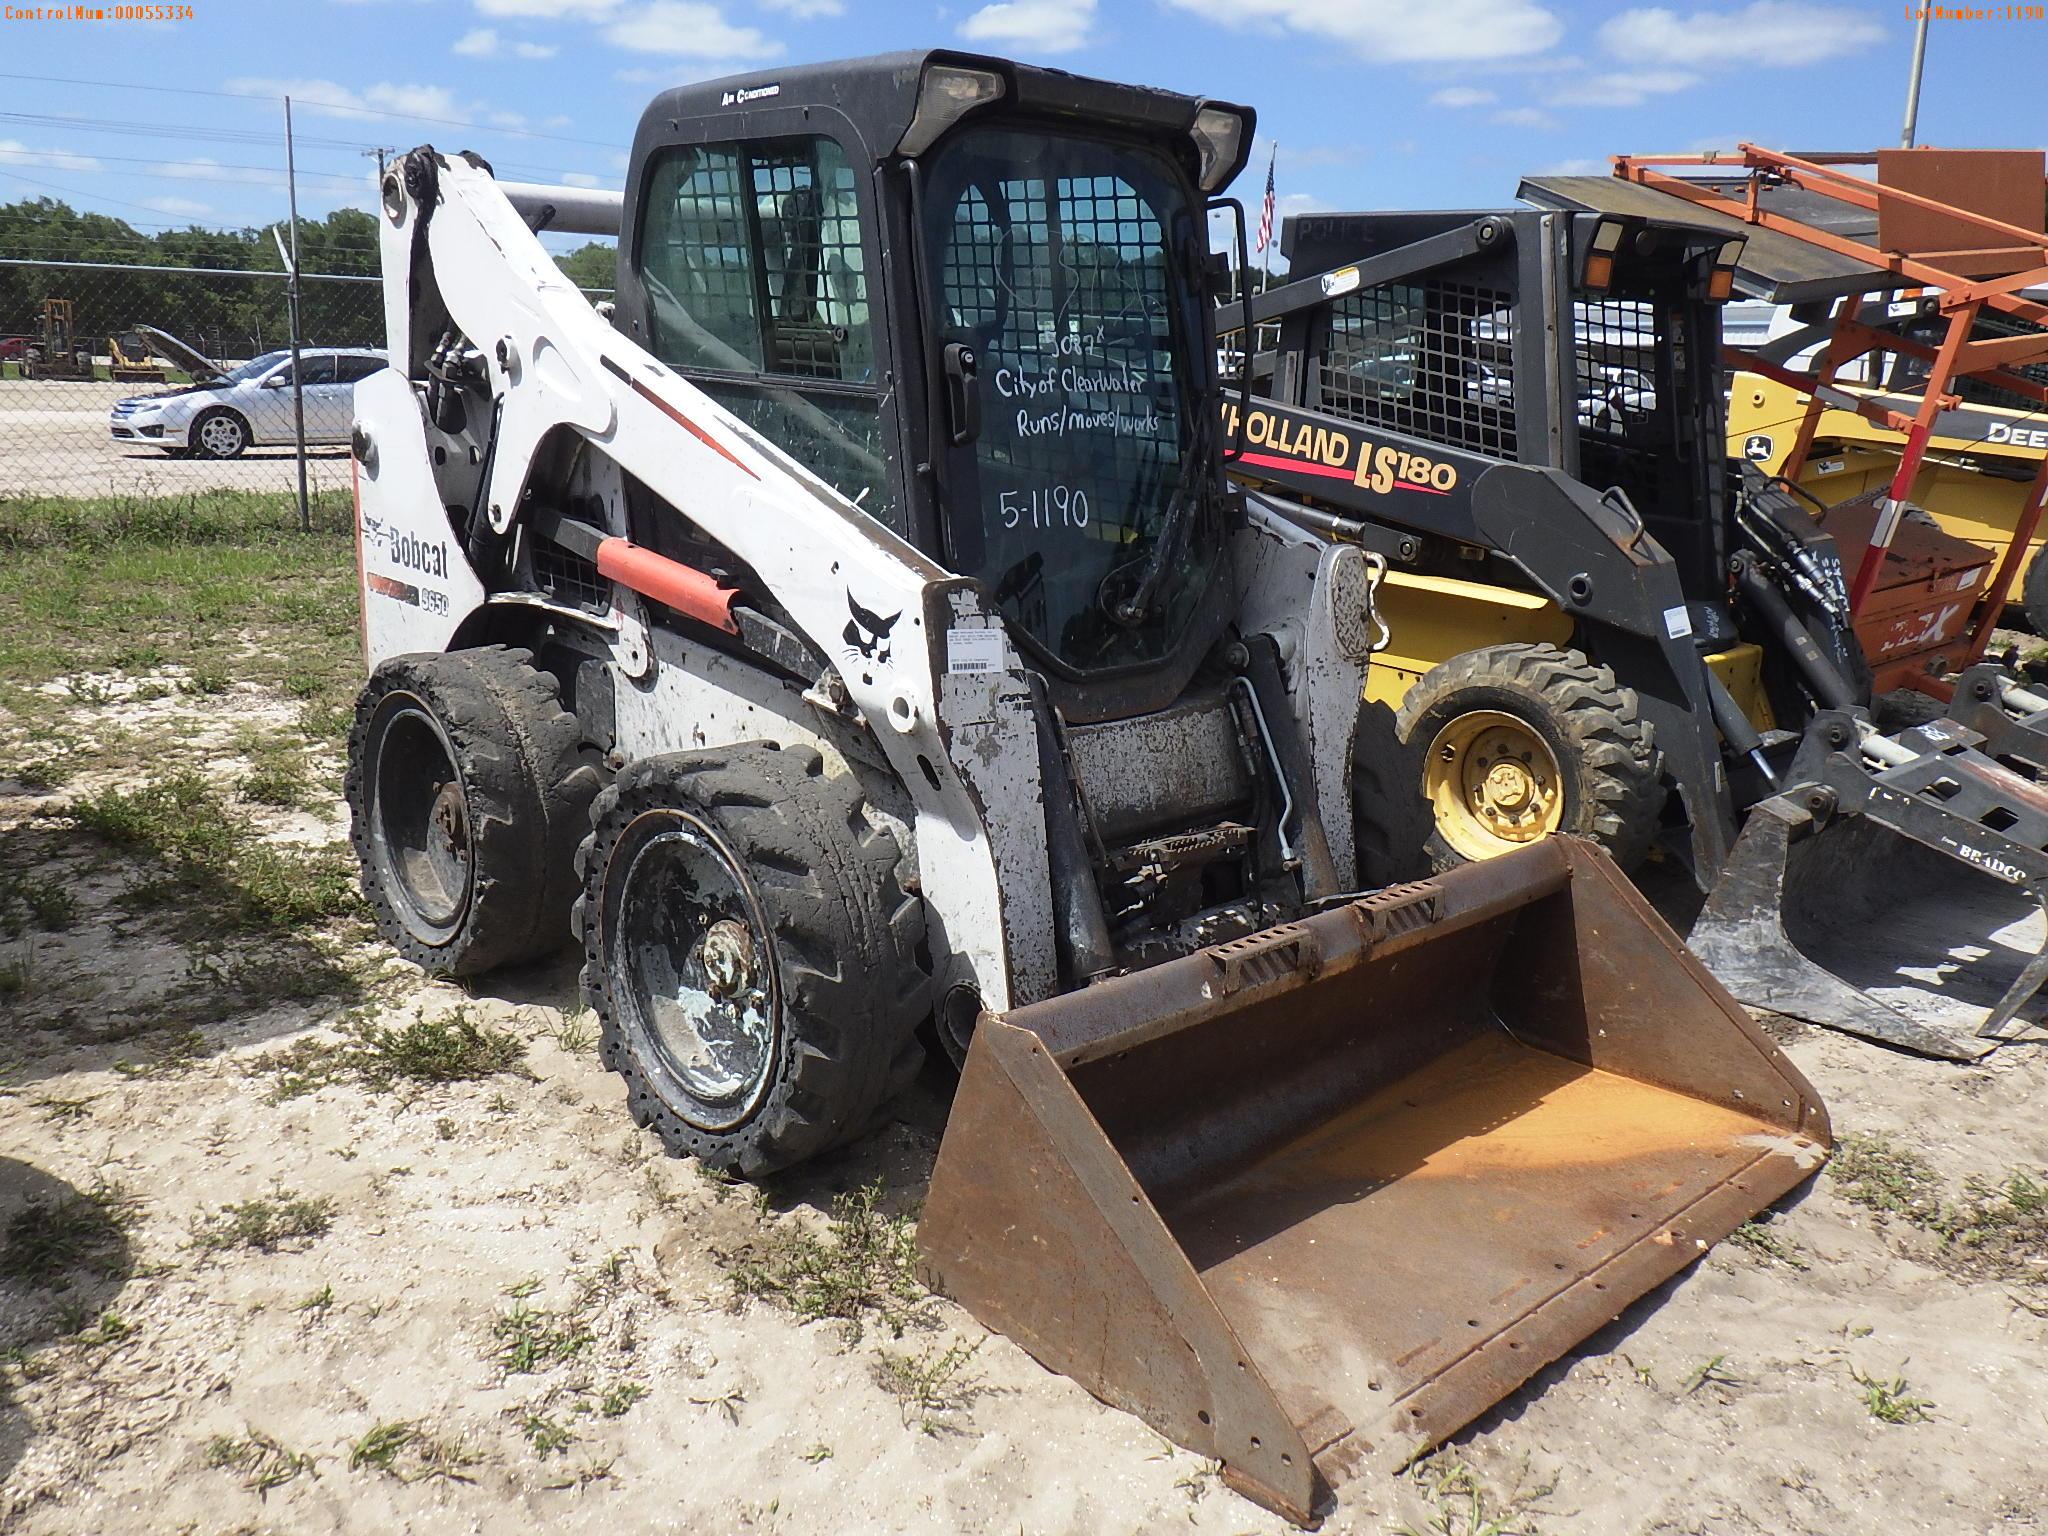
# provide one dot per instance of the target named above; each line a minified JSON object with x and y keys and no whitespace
{"x":1424,"y":103}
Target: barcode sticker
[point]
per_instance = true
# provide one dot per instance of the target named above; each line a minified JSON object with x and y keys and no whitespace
{"x":974,"y":650}
{"x":1677,"y":623}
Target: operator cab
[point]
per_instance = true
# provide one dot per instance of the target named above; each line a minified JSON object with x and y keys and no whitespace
{"x":972,"y":296}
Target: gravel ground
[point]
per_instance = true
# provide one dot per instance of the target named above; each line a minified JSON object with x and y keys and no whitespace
{"x":53,"y":442}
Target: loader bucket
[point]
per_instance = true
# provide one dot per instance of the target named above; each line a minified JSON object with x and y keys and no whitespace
{"x":1311,"y":1201}
{"x":1855,"y":925}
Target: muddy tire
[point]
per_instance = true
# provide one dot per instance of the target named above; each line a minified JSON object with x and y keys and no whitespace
{"x":750,"y":955}
{"x":1509,"y":742}
{"x":1390,"y":819}
{"x":469,"y":789}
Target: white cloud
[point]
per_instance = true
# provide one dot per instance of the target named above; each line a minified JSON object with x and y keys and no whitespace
{"x":338,"y":100}
{"x":1526,"y":117}
{"x":581,"y":179}
{"x":805,"y":10}
{"x":484,"y":43}
{"x":177,"y":207}
{"x":1461,"y":30}
{"x":1040,"y":26}
{"x":1619,"y":88}
{"x":687,"y":29}
{"x":14,"y":152}
{"x":591,"y":10}
{"x":206,"y":168}
{"x":1773,"y":34}
{"x":1462,"y":96}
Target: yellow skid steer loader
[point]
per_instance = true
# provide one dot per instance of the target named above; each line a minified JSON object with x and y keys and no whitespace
{"x":854,"y":631}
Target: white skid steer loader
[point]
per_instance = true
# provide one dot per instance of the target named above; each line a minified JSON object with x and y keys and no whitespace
{"x":856,"y":627}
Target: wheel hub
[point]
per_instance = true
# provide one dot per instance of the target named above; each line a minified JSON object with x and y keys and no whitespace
{"x":696,"y":971}
{"x":1493,"y":784}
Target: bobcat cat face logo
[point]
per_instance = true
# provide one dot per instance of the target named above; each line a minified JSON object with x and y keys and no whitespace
{"x":868,"y":633}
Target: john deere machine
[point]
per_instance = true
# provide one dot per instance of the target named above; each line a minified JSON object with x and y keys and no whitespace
{"x":1602,"y":625}
{"x":853,"y":639}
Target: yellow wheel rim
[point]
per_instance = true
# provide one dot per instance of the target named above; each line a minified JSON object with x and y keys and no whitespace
{"x":1493,"y":784}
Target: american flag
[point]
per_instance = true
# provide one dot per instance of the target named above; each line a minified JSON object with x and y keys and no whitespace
{"x":1266,"y":207}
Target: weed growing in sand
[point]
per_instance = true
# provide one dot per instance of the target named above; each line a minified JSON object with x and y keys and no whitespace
{"x":451,"y":1049}
{"x":262,"y":1461}
{"x":211,"y":852}
{"x":1461,"y":1504}
{"x":264,"y":1224}
{"x":1709,"y":1373}
{"x":1889,"y":1401}
{"x":931,"y":1382}
{"x":379,"y":1448}
{"x":62,"y":1110}
{"x":318,"y":1302}
{"x":530,"y":1339}
{"x":15,"y":974}
{"x":864,"y":1265}
{"x":1997,"y":1231}
{"x":728,"y":1403}
{"x":817,"y":1453}
{"x":548,"y":1436}
{"x":619,"y":1398}
{"x":39,"y":901}
{"x":1880,"y":1176}
{"x":576,"y":1031}
{"x":206,"y":679}
{"x":1759,"y":1238}
{"x":49,"y":1241}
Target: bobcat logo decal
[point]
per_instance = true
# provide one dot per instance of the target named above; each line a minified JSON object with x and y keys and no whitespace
{"x":868,"y":633}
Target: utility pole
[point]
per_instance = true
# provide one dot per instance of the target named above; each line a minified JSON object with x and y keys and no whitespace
{"x":1913,"y":79}
{"x":291,"y":181}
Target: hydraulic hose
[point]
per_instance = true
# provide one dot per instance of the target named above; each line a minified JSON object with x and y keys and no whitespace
{"x":1735,"y":727}
{"x":1830,"y":689}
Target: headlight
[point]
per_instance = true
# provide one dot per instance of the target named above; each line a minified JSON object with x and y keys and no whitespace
{"x":1219,"y":135}
{"x":947,"y":93}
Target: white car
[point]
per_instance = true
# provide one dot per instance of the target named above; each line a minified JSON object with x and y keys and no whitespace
{"x":221,"y":417}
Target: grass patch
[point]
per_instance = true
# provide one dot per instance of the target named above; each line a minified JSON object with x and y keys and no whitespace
{"x":1994,"y":1231}
{"x":34,"y":901}
{"x":619,"y":1397}
{"x":210,"y":851}
{"x":265,"y":1224}
{"x":530,"y":1339}
{"x":263,"y":1463}
{"x":548,"y":1436}
{"x":132,"y":583}
{"x":863,"y":1266}
{"x":1877,"y":1174}
{"x":48,"y":1242}
{"x":1889,"y":1401}
{"x":454,"y":1048}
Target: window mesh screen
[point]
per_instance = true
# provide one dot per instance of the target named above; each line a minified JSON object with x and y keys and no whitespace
{"x":1434,"y":360}
{"x":1621,"y":436}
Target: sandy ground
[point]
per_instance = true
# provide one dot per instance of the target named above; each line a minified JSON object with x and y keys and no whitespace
{"x":53,"y":442}
{"x":1725,"y":1403}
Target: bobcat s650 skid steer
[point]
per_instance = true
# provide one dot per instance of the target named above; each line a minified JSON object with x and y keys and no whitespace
{"x":857,"y":627}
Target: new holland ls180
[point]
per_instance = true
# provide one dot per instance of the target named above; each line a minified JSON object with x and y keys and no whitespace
{"x":1603,"y":625}
{"x":858,"y":626}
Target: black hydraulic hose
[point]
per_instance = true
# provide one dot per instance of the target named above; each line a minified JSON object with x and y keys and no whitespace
{"x":1830,"y":689}
{"x":1735,"y":726}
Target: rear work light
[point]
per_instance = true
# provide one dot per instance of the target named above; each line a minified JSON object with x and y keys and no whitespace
{"x":947,"y":93}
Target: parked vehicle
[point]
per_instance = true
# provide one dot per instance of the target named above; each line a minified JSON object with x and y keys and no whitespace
{"x":223,"y":417}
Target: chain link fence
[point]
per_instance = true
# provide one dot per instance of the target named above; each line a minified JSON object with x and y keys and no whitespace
{"x":163,"y":381}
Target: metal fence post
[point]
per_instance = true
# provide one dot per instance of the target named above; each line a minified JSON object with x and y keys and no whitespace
{"x":291,"y":181}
